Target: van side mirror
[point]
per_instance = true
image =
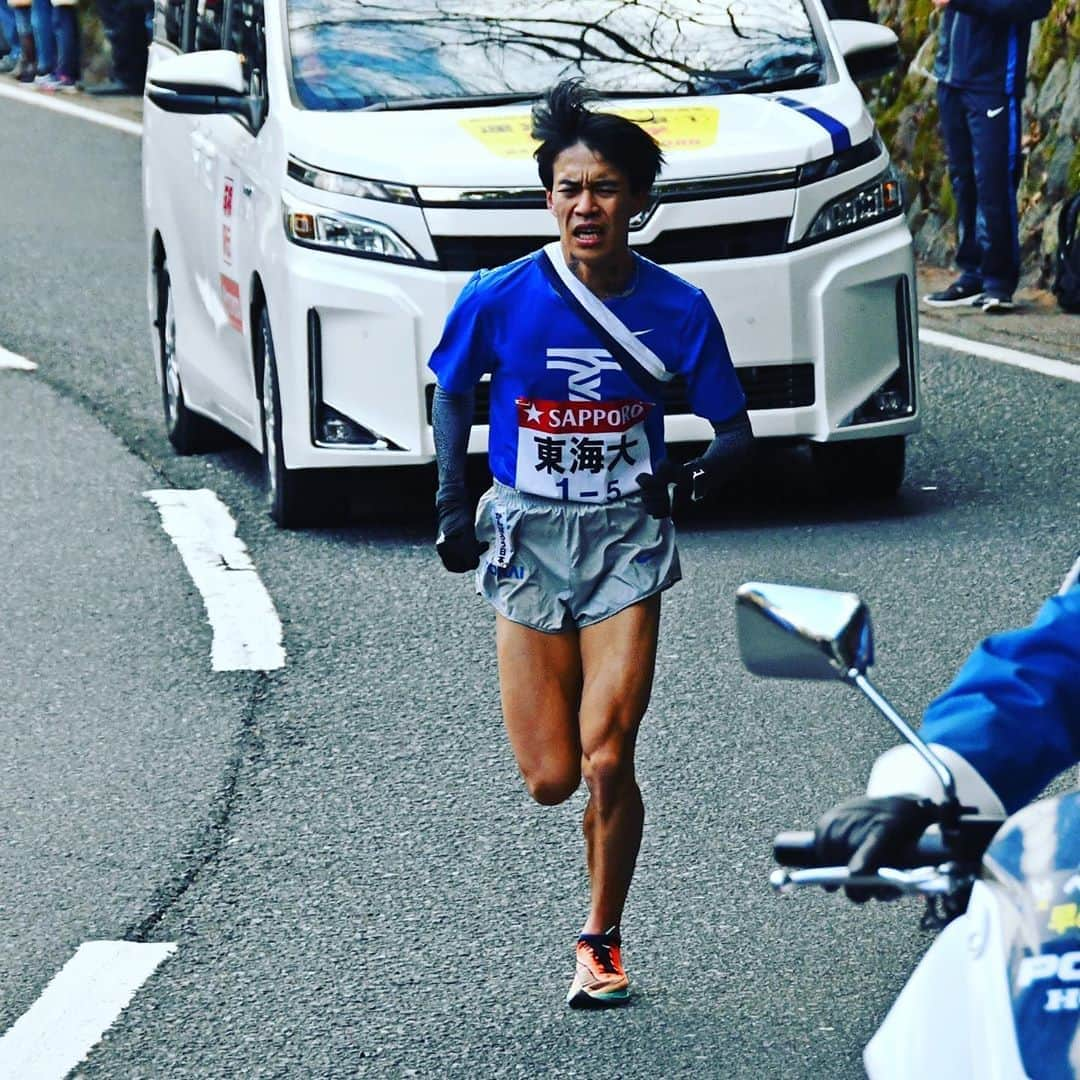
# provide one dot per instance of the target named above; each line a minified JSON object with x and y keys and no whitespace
{"x":792,"y":632}
{"x":870,"y":51}
{"x":200,"y":83}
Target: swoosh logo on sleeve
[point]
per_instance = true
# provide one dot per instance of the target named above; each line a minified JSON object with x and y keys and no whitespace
{"x":991,"y":113}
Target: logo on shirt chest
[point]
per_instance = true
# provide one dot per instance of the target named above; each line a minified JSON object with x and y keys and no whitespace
{"x":585,"y":367}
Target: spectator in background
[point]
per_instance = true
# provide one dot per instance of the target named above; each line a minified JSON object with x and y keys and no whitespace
{"x":127,"y":26}
{"x":41,"y":20}
{"x":26,"y":68}
{"x":65,"y":75}
{"x":980,"y":67}
{"x":9,"y":40}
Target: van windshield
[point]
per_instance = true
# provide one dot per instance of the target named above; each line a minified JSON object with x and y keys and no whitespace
{"x":366,"y":54}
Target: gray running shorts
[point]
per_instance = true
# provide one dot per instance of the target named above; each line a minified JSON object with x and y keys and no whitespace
{"x":553,"y":564}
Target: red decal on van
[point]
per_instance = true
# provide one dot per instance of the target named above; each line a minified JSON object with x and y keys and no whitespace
{"x":230,"y":296}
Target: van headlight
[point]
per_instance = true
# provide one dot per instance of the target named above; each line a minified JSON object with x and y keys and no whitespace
{"x":332,"y":230}
{"x":882,"y":198}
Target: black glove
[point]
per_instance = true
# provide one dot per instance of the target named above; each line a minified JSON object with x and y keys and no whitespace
{"x":456,"y":540}
{"x":868,"y":833}
{"x":694,"y":478}
{"x":655,"y":495}
{"x":723,"y":457}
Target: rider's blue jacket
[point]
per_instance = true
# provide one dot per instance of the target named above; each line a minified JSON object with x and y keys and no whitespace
{"x":1013,"y":710}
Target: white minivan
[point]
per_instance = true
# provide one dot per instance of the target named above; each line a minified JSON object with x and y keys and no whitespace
{"x":321,"y":178}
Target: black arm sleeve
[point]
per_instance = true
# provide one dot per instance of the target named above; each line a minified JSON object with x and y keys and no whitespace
{"x":451,"y":422}
{"x":730,"y":448}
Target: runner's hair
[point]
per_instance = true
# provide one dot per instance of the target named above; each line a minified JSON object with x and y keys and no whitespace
{"x":562,"y":120}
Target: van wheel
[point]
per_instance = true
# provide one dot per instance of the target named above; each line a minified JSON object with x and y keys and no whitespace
{"x":188,"y":432}
{"x":861,"y":468}
{"x":292,"y":495}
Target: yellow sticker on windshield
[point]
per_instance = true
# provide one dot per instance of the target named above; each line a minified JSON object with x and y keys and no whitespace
{"x":675,"y":128}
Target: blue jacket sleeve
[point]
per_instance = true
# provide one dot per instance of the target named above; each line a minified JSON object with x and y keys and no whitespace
{"x":1013,"y":710}
{"x":1004,"y":10}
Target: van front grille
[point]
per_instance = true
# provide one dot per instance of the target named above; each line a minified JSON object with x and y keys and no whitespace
{"x":742,"y":241}
{"x":767,"y":386}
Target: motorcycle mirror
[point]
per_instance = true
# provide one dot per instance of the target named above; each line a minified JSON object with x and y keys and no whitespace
{"x":793,"y":632}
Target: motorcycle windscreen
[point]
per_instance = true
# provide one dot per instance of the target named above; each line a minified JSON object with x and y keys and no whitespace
{"x":1035,"y":861}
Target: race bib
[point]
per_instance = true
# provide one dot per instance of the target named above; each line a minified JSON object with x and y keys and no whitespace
{"x":584,"y":451}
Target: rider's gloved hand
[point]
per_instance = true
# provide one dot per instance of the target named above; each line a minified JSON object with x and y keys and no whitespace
{"x":456,"y":540}
{"x":868,"y":833}
{"x":655,"y":494}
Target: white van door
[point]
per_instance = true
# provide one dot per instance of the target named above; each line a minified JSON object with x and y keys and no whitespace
{"x":226,"y":224}
{"x":177,"y":184}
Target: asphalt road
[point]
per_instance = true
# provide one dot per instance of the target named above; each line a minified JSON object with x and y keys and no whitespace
{"x":342,"y":849}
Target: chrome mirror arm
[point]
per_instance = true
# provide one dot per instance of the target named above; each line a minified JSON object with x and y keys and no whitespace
{"x":859,"y":680}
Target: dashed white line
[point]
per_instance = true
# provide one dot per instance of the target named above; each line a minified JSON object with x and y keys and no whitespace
{"x":1058,"y":369}
{"x":69,"y":108}
{"x":77,"y":1007}
{"x":247,"y":630}
{"x":13,"y":360}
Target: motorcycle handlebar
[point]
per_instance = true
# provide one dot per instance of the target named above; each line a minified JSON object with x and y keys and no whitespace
{"x":797,"y":848}
{"x":966,"y":842}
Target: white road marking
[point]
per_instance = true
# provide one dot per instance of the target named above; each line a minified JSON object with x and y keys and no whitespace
{"x":69,"y":108}
{"x":77,"y":1007}
{"x":13,"y":360}
{"x":1058,"y":369}
{"x":247,"y":630}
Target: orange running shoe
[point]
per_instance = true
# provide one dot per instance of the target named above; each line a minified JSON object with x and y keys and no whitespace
{"x":599,"y":980}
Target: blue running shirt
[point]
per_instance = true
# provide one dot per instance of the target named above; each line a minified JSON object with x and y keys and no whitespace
{"x":566,"y":421}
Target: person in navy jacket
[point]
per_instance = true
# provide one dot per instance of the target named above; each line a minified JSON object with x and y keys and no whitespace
{"x":1008,"y":724}
{"x":981,"y":67}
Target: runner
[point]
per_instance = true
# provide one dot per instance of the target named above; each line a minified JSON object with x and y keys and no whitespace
{"x":575,"y":531}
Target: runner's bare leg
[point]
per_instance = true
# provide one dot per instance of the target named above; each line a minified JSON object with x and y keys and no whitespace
{"x":540,"y":685}
{"x":618,"y":659}
{"x":572,"y":705}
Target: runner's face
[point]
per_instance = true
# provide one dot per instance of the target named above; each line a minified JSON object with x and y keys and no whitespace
{"x":593,"y":204}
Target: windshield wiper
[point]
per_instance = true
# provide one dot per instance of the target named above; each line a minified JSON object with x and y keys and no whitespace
{"x":752,"y":85}
{"x":509,"y":98}
{"x":783,"y":82}
{"x":450,"y":102}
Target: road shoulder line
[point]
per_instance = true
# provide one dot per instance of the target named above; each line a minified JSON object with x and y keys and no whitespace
{"x":1058,"y":369}
{"x":43,"y":101}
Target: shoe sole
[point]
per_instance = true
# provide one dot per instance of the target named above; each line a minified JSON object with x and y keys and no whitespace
{"x":966,"y":301}
{"x":584,"y":1000}
{"x":997,"y":308}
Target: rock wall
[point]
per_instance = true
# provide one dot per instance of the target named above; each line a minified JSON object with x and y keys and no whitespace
{"x":906,"y":111}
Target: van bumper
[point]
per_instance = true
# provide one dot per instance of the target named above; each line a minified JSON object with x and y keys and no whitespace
{"x":840,"y":314}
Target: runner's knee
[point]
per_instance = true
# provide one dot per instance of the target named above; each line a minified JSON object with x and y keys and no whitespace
{"x":550,"y":787}
{"x":608,"y":769}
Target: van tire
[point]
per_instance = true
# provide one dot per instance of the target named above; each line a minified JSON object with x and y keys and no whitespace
{"x":188,"y":432}
{"x":861,"y":468}
{"x":292,"y":495}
